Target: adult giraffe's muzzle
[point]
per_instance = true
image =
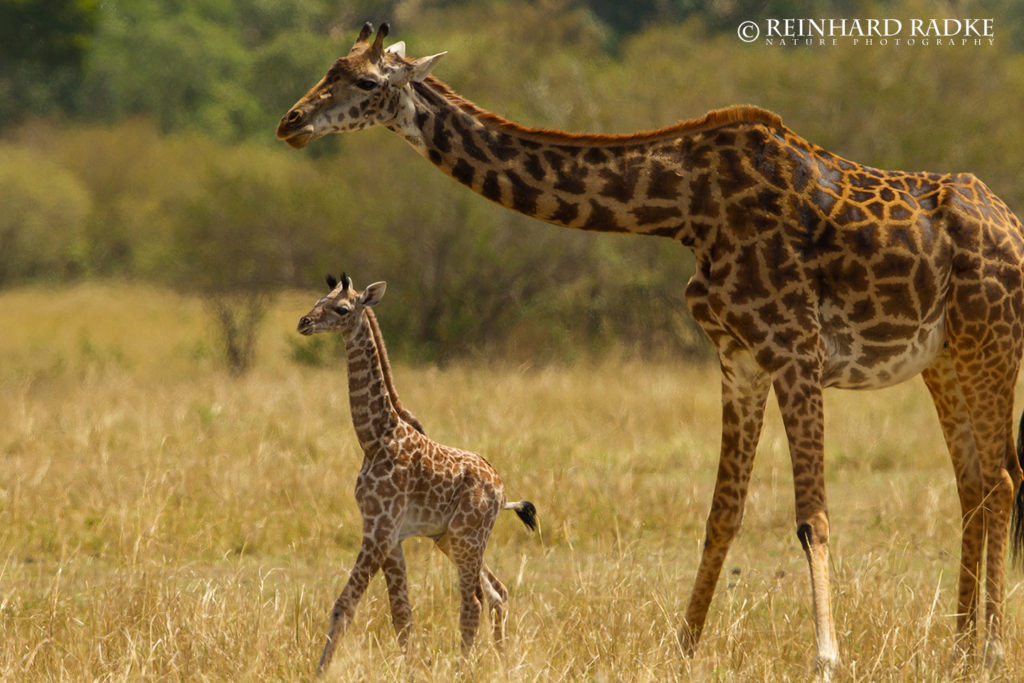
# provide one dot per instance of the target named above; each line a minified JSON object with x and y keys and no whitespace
{"x":291,"y":129}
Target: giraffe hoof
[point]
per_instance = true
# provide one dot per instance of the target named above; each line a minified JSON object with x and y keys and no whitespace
{"x":688,"y":639}
{"x":825,"y":667}
{"x":993,"y":654}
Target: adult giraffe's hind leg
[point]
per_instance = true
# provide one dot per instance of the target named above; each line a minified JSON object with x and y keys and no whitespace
{"x":744,"y":390}
{"x":940,"y":377}
{"x":987,"y":381}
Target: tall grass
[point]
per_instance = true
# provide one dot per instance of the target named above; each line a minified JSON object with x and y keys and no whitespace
{"x":160,"y":518}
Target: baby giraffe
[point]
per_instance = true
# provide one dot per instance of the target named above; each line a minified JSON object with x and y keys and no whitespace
{"x":408,"y":485}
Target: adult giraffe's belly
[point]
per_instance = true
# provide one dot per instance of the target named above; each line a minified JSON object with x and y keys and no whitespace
{"x":878,"y":353}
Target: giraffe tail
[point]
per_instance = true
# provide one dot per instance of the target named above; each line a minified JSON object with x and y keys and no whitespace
{"x":526,"y":511}
{"x":1017,"y":533}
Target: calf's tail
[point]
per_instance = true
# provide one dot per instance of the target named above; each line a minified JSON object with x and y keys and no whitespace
{"x":526,"y":511}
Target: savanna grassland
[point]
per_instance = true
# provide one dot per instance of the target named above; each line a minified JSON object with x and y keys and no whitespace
{"x":161,"y":518}
{"x":164,"y":517}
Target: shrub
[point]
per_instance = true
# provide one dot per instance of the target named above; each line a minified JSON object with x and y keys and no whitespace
{"x":42,"y":224}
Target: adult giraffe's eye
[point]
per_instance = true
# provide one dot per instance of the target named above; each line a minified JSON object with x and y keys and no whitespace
{"x":341,"y":310}
{"x":366,"y":84}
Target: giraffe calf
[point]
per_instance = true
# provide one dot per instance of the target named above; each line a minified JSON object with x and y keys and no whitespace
{"x":409,"y":485}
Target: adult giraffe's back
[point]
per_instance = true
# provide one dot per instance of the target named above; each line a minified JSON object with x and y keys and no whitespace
{"x":812,"y":271}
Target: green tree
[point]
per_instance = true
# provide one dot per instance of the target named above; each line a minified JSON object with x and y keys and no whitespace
{"x":184,"y":69}
{"x":43,"y":44}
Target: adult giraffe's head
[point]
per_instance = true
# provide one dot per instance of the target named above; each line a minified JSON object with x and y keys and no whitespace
{"x":362,"y":89}
{"x":342,"y":309}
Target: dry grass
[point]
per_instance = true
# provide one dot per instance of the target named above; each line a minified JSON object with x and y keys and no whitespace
{"x":160,"y":519}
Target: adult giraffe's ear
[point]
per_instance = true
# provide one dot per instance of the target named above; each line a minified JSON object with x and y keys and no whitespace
{"x":372,"y":295}
{"x":415,"y":71}
{"x":422,"y":66}
{"x":396,"y":49}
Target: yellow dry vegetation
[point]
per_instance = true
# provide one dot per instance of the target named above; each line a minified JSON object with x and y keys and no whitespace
{"x":162,"y":519}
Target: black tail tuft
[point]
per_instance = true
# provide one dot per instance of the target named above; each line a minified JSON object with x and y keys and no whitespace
{"x":1017,"y":533}
{"x":527,"y":512}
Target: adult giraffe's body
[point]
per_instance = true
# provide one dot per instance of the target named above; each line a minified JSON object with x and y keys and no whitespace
{"x":812,"y":271}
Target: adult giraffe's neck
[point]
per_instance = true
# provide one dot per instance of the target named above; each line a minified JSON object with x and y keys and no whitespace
{"x":646,"y":183}
{"x":373,"y":413}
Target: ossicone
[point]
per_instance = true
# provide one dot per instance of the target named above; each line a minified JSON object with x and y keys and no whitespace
{"x":377,"y":49}
{"x":364,"y":33}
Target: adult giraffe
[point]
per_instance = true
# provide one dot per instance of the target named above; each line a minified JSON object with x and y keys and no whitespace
{"x":812,"y":272}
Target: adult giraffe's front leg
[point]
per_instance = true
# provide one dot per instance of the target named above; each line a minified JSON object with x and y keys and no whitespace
{"x":744,"y":390}
{"x":799,"y":392}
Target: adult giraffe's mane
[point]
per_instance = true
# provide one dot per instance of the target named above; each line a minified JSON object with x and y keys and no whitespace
{"x":713,"y":119}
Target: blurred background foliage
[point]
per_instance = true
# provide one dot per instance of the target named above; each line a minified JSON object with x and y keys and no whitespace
{"x":137,"y":143}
